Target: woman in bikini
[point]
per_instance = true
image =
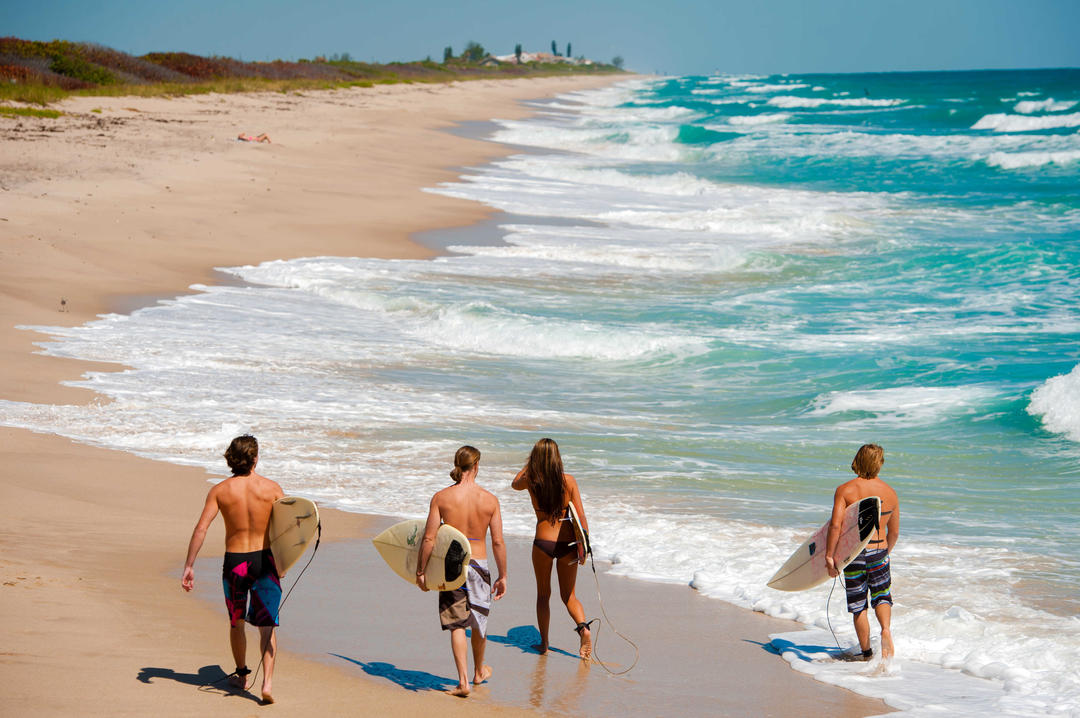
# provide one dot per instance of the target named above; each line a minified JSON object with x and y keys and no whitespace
{"x":552,"y":491}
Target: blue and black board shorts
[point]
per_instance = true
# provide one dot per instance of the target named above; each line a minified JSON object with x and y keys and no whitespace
{"x":868,"y":574}
{"x":252,"y":574}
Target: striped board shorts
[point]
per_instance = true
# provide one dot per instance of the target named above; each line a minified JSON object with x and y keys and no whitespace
{"x":469,"y":605}
{"x":868,"y":574}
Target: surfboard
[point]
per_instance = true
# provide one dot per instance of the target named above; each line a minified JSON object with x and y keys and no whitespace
{"x":806,"y":567}
{"x":581,"y":536}
{"x":399,"y":546}
{"x":294,"y":521}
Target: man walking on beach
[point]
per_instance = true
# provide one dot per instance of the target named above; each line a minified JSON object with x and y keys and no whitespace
{"x":473,"y":511}
{"x":245,"y":501}
{"x":868,"y":574}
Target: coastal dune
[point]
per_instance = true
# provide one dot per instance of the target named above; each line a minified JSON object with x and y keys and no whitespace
{"x":122,"y":201}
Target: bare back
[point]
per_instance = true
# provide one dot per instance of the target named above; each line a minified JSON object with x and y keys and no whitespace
{"x":470,"y":510}
{"x":245,"y":503}
{"x":856,"y":489}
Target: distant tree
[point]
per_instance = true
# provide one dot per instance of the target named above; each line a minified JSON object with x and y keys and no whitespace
{"x":346,"y":57}
{"x":473,"y":52}
{"x":447,"y":54}
{"x":517,"y":53}
{"x":617,"y":61}
{"x":554,"y":49}
{"x":568,"y":53}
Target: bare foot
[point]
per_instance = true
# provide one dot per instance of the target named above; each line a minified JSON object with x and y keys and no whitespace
{"x":887,"y":649}
{"x":482,"y":675}
{"x":585,"y":651}
{"x":267,"y":698}
{"x":540,"y":648}
{"x":461,"y":691}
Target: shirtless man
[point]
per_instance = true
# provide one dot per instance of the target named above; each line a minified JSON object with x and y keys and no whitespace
{"x":473,"y":511}
{"x":244,"y":500}
{"x":869,"y":572}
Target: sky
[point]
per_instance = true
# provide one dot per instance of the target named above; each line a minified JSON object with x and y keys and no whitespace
{"x":677,"y":37}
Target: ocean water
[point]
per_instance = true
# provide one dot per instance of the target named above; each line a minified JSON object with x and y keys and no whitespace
{"x":710,"y":291}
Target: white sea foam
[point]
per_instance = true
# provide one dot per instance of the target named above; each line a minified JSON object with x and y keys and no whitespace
{"x":1057,"y":403}
{"x":765,"y":87}
{"x":1018,"y":160}
{"x":1022,"y":123}
{"x":1029,"y":107}
{"x":909,"y":404}
{"x":765,"y":118}
{"x":792,"y":102}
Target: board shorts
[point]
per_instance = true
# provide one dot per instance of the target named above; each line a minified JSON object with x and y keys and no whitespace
{"x":469,"y":605}
{"x":868,"y":574}
{"x":252,"y":574}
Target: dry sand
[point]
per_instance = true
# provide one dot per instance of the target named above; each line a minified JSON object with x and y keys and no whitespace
{"x":124,"y":200}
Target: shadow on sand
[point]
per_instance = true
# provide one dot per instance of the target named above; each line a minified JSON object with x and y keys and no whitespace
{"x":780,"y":646}
{"x":524,"y":638}
{"x":209,"y":679}
{"x":409,"y":680}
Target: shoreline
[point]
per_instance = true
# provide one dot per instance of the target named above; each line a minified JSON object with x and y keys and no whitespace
{"x":89,"y":580}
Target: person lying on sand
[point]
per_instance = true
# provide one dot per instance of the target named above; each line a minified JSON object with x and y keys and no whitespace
{"x":253,"y":138}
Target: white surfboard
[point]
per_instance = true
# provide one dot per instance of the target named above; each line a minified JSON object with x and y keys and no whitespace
{"x":294,"y":521}
{"x":806,"y":567}
{"x":581,"y":536}
{"x":399,"y":546}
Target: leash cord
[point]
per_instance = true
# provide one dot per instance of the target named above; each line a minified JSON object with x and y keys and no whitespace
{"x":603,"y":611}
{"x":828,"y":618}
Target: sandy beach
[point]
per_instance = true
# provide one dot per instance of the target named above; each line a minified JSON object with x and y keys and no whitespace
{"x":126,"y":200}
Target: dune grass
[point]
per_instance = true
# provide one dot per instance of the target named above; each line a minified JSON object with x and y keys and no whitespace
{"x":29,"y":112}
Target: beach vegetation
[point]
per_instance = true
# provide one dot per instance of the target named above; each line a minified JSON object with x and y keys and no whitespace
{"x":40,"y":73}
{"x":29,"y":112}
{"x":617,"y":62}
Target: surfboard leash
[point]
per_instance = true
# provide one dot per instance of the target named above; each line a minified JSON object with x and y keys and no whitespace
{"x":603,"y":611}
{"x":828,"y":617}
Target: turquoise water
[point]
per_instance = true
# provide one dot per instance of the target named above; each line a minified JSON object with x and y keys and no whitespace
{"x":710,"y":291}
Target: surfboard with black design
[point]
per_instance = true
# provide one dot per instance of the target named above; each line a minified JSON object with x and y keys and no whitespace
{"x":399,"y":546}
{"x":581,"y":536}
{"x":806,"y":567}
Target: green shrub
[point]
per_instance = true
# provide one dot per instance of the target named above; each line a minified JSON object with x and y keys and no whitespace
{"x":79,"y":69}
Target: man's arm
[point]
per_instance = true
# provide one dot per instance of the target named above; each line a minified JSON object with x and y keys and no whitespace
{"x":431,"y":528}
{"x":835,"y":524}
{"x":209,"y":512}
{"x":498,"y":547}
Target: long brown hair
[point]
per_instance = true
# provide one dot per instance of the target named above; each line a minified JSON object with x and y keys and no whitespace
{"x":465,"y":458}
{"x":545,"y":475}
